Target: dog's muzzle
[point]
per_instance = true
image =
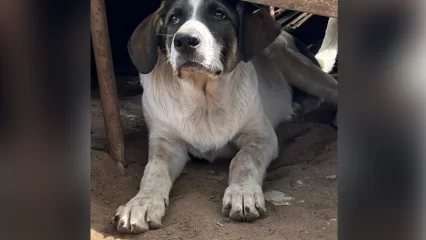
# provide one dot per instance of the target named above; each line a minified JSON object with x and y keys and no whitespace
{"x":193,"y":50}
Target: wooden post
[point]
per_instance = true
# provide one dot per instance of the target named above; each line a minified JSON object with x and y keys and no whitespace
{"x":107,"y":85}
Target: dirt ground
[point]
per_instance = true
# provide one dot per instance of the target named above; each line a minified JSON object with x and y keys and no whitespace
{"x":305,"y":171}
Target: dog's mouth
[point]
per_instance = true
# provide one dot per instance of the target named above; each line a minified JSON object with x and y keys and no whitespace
{"x":192,"y":66}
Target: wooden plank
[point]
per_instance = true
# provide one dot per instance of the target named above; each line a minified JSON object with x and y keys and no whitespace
{"x":327,"y":8}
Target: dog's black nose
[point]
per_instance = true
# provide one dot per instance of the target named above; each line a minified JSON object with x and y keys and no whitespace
{"x":186,"y":42}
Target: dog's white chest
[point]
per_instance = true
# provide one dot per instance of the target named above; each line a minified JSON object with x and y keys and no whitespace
{"x":204,"y":126}
{"x":205,"y":134}
{"x":204,"y":130}
{"x":206,"y":119}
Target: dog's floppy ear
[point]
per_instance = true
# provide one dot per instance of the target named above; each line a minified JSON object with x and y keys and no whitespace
{"x":257,"y":30}
{"x":143,"y":44}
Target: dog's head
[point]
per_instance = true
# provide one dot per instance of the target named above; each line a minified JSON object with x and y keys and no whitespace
{"x":207,"y":36}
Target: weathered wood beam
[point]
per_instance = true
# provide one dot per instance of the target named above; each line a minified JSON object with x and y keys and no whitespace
{"x":327,"y":8}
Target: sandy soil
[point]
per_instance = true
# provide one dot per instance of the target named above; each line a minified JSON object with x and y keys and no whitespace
{"x":308,"y":158}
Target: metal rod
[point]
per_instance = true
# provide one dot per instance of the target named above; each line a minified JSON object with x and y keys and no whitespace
{"x":107,"y":85}
{"x":287,"y":18}
{"x":300,"y":20}
{"x":296,"y":20}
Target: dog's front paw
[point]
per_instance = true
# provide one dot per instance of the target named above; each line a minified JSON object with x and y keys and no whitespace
{"x":141,"y":213}
{"x":244,"y":202}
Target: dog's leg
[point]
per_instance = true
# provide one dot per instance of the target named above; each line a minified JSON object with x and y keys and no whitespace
{"x":300,"y":71}
{"x":327,"y":54}
{"x":145,"y":211}
{"x":243,"y":199}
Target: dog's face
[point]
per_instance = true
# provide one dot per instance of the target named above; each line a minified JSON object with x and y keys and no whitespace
{"x":200,"y":35}
{"x":207,"y":36}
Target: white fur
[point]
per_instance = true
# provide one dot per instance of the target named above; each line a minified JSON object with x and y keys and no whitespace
{"x":195,"y":4}
{"x":327,"y":53}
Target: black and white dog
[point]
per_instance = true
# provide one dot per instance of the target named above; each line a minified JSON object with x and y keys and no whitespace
{"x":216,"y":76}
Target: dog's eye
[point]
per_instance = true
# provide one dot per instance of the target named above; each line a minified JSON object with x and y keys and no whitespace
{"x":173,"y":19}
{"x":219,"y":14}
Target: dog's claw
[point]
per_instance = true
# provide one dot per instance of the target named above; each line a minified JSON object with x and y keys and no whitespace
{"x":142,"y":213}
{"x":246,"y":202}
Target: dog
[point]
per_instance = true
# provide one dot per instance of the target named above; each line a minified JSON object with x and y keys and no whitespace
{"x":216,"y":76}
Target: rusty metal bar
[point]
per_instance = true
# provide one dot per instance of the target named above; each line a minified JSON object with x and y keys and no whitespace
{"x":326,"y":8}
{"x":107,"y":85}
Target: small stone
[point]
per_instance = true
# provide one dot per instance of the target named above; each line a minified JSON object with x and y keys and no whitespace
{"x":299,"y":182}
{"x":331,"y":177}
{"x":219,"y":224}
{"x":211,"y":172}
{"x":277,"y":198}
